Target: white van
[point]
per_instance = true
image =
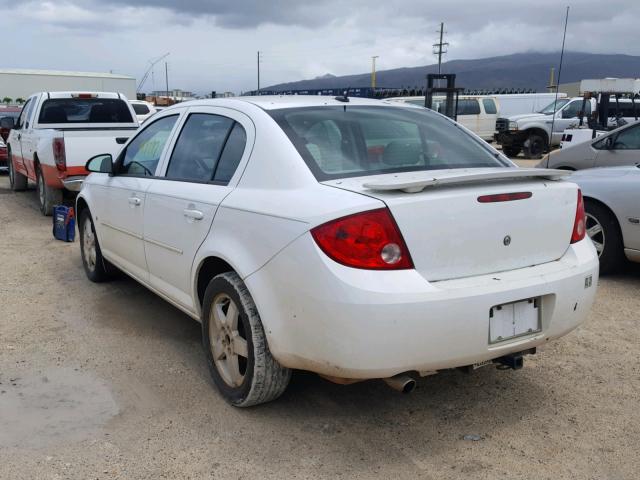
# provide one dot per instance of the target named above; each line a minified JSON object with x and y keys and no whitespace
{"x":477,"y":113}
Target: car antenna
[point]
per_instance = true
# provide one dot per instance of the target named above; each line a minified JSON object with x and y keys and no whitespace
{"x":345,"y":96}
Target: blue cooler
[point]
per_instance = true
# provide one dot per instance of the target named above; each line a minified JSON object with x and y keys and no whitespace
{"x":64,"y":223}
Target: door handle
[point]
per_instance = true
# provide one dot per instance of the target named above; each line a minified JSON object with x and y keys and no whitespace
{"x":193,"y":214}
{"x":19,"y":136}
{"x":135,"y":201}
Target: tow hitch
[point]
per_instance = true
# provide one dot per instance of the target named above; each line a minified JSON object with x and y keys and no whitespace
{"x":515,"y":361}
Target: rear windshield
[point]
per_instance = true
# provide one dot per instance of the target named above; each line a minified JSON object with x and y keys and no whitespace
{"x":339,"y":142}
{"x":140,"y":108}
{"x":85,"y":110}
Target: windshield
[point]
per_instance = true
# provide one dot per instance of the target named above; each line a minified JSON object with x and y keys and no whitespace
{"x":549,"y":109}
{"x":339,"y":142}
{"x":85,"y":110}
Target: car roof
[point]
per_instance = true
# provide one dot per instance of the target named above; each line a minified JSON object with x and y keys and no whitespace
{"x":274,"y":102}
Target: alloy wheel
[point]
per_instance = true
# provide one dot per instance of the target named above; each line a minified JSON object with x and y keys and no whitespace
{"x":41,"y":194}
{"x":228,"y":343}
{"x":89,"y":246}
{"x":596,"y":233}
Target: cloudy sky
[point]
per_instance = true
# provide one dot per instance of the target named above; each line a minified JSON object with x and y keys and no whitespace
{"x":213,"y":43}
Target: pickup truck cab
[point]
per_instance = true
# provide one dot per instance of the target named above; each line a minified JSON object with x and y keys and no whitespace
{"x":57,"y":132}
{"x":531,"y":133}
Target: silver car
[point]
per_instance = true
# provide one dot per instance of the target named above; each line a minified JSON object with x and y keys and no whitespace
{"x":618,"y":147}
{"x":612,"y":204}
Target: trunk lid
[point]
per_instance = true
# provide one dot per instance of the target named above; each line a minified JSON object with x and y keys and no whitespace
{"x":451,"y":234}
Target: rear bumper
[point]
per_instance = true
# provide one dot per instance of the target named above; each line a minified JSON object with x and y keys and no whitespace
{"x":344,"y":322}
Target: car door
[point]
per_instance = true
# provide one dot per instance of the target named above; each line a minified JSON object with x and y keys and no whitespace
{"x":468,"y":114}
{"x":181,"y":206}
{"x":20,"y":129}
{"x":567,"y":117}
{"x":29,"y":142}
{"x":623,"y":148}
{"x":120,"y":198}
{"x":488,"y":118}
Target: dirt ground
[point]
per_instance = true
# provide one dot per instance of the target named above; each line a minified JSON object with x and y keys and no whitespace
{"x":109,"y":381}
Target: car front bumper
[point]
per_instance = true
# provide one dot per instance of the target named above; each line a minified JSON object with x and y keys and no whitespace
{"x":344,"y":322}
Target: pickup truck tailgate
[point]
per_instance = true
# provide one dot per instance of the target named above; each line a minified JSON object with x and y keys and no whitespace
{"x":82,"y":144}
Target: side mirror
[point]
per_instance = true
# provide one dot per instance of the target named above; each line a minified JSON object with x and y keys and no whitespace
{"x":7,"y":122}
{"x":100,"y":164}
{"x":608,"y":143}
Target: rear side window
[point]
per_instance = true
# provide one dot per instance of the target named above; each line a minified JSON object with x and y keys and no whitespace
{"x":489,"y":106}
{"x":231,"y":155}
{"x":85,"y":110}
{"x":140,"y":108}
{"x":142,"y":155}
{"x":349,"y":141}
{"x":468,"y":107}
{"x":199,"y":147}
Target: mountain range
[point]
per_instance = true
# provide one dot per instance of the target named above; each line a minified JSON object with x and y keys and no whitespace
{"x":521,"y":70}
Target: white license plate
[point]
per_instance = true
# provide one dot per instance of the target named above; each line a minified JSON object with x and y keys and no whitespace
{"x":514,"y":320}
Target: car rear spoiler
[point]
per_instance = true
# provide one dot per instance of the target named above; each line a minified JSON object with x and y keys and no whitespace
{"x":414,"y":182}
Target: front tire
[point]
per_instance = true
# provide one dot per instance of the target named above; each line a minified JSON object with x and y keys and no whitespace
{"x":47,"y":197}
{"x":235,"y":344}
{"x":511,"y":151}
{"x":604,"y":231}
{"x":95,"y":266}
{"x":534,"y":146}
{"x":17,"y":181}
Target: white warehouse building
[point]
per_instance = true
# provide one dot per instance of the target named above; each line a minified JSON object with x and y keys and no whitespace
{"x":18,"y":83}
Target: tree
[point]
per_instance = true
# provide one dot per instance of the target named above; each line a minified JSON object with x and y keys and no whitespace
{"x":7,"y":100}
{"x":19,"y":100}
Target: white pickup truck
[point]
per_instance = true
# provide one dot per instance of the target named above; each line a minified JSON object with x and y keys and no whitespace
{"x":55,"y":135}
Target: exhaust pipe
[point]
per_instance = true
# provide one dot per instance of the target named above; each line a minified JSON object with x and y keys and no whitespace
{"x":401,"y":382}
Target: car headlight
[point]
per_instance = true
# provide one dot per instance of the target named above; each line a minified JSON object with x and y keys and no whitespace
{"x":513,"y":125}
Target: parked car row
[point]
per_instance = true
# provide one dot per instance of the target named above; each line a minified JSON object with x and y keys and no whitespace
{"x":357,"y":239}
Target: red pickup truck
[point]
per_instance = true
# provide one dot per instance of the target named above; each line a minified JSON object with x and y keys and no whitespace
{"x":8,"y":113}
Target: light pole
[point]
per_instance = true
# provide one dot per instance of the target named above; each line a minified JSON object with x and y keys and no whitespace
{"x":373,"y":71}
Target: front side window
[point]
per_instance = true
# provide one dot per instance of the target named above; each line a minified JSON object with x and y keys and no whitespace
{"x":628,"y":139}
{"x":339,"y":142}
{"x":23,"y":114}
{"x":199,"y":147}
{"x":85,"y":110}
{"x":142,"y":155}
{"x":489,"y":106}
{"x":554,"y":106}
{"x":573,"y":109}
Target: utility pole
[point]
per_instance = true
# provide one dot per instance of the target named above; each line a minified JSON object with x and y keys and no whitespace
{"x":373,"y":71}
{"x":440,"y":48}
{"x":258,"y":72}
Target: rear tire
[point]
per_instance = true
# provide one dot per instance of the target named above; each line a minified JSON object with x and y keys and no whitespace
{"x":47,"y":197}
{"x":604,"y":231}
{"x":511,"y":151}
{"x":95,"y":266}
{"x":17,"y":181}
{"x":534,"y":146}
{"x":235,"y":344}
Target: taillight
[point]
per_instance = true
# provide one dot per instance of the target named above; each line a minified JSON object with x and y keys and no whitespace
{"x":368,"y":240}
{"x":580,"y":223}
{"x":59,"y":154}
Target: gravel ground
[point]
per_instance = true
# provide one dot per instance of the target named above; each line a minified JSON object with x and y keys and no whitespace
{"x":109,"y":381}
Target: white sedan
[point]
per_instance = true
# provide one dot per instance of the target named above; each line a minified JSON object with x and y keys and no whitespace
{"x":358,"y":239}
